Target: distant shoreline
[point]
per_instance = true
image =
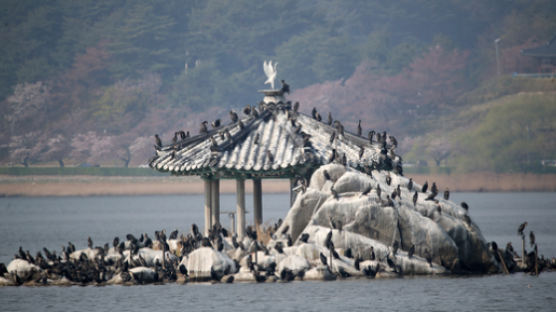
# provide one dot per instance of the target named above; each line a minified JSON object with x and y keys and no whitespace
{"x":34,"y":186}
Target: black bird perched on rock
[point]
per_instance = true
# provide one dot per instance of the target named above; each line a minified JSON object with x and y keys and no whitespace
{"x":332,"y":137}
{"x":425,"y":187}
{"x":204,"y":128}
{"x":328,"y":241}
{"x":361,"y":151}
{"x":431,"y":196}
{"x":157,"y":141}
{"x":410,"y":184}
{"x":378,"y":191}
{"x":464,"y":206}
{"x":415,"y":197}
{"x":323,"y":259}
{"x":285,"y":87}
{"x":247,"y":109}
{"x":367,"y":190}
{"x":183,"y":136}
{"x":521,"y":228}
{"x":304,"y":237}
{"x":89,"y":242}
{"x":371,"y":134}
{"x":334,"y":193}
{"x":388,"y":179}
{"x":434,"y":188}
{"x":532,"y":238}
{"x":296,"y":106}
{"x":332,"y":156}
{"x":372,"y":256}
{"x":411,"y":251}
{"x":447,"y":194}
{"x":314,"y":113}
{"x":329,"y":118}
{"x":359,"y":129}
{"x":233,"y":116}
{"x":216,"y":123}
{"x":393,"y":141}
{"x":175,"y":138}
{"x":389,"y":201}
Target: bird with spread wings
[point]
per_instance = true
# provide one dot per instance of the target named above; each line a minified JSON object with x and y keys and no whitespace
{"x":270,"y":72}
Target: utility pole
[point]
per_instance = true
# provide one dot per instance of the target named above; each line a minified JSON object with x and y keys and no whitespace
{"x":496,"y":41}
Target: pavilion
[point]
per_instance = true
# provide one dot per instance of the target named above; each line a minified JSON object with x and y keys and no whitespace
{"x":274,"y":141}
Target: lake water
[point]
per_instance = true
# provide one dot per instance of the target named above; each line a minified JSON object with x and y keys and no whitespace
{"x":52,"y":222}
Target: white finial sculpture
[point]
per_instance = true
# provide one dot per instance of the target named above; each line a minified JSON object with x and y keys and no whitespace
{"x":270,"y":72}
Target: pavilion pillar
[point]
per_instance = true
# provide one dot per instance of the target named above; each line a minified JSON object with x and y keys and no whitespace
{"x":240,"y":207}
{"x":215,"y":201}
{"x":208,"y":207}
{"x":257,"y":202}
{"x":292,"y":192}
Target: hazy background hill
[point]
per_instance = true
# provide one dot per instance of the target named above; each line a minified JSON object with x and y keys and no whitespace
{"x":93,"y":81}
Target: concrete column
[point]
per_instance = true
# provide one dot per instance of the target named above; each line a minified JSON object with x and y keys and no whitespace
{"x":257,"y":202}
{"x":215,"y":201}
{"x":292,"y":193}
{"x":208,"y":209}
{"x":240,"y":207}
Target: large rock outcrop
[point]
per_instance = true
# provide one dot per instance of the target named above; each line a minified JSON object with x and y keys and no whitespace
{"x":439,"y":233}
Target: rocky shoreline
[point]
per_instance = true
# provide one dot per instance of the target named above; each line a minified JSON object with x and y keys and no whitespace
{"x":343,"y":224}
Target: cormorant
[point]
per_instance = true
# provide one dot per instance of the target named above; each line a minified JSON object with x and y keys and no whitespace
{"x":447,"y":194}
{"x":247,"y":109}
{"x":434,"y":188}
{"x":464,"y":206}
{"x":410,"y":184}
{"x":378,"y":191}
{"x":388,"y":179}
{"x":241,"y":125}
{"x":361,"y":151}
{"x":304,"y":237}
{"x":158,"y":142}
{"x":356,"y":263}
{"x":411,"y":251}
{"x":329,"y":118}
{"x":431,"y":196}
{"x":182,"y":134}
{"x":256,"y":140}
{"x":328,"y":241}
{"x":425,"y":187}
{"x":415,"y":197}
{"x":389,"y":202}
{"x":318,"y":117}
{"x":314,"y":113}
{"x":367,"y":190}
{"x":531,"y":238}
{"x":372,"y":256}
{"x":233,"y":116}
{"x":393,"y":141}
{"x":216,"y":123}
{"x":285,"y":87}
{"x":521,"y":228}
{"x":296,"y":106}
{"x":204,"y":128}
{"x":332,"y":156}
{"x":334,"y":193}
{"x":89,"y":242}
{"x":175,"y":138}
{"x":344,"y":159}
{"x":359,"y":129}
{"x":323,"y":259}
{"x":371,"y":134}
{"x":332,"y":137}
{"x":269,"y":156}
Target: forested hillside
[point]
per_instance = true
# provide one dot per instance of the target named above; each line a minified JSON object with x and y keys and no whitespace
{"x":93,"y":81}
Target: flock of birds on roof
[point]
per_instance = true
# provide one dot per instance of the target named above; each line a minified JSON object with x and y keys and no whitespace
{"x":387,"y":143}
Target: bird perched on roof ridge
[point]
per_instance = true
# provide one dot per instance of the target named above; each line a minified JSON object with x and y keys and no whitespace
{"x":285,"y":87}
